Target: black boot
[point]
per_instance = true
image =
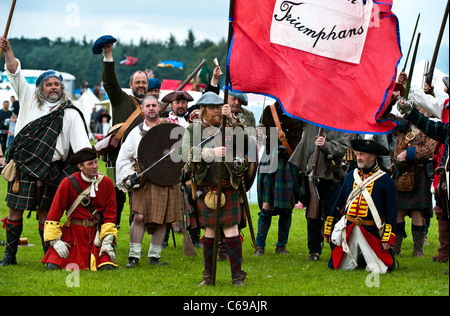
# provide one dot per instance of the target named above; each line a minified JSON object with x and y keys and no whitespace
{"x":13,"y":232}
{"x":44,"y":245}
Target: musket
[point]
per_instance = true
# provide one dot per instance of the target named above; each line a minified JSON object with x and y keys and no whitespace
{"x":429,"y":75}
{"x":410,"y":44}
{"x":247,"y":212}
{"x":411,"y":69}
{"x":8,"y":23}
{"x":185,"y":82}
{"x":221,"y":165}
{"x":313,"y":207}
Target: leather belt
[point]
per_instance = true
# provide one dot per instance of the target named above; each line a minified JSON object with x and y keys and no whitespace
{"x":359,"y":221}
{"x":82,"y":222}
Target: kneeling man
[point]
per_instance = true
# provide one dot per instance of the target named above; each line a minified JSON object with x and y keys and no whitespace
{"x":89,"y":234}
{"x":366,"y":210}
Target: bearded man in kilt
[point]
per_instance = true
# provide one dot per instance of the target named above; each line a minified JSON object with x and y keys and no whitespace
{"x":203,"y":151}
{"x":49,"y":129}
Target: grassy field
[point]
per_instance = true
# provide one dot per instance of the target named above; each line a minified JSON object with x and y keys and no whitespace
{"x":269,"y":275}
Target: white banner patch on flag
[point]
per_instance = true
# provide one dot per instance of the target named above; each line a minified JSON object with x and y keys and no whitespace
{"x":335,"y":29}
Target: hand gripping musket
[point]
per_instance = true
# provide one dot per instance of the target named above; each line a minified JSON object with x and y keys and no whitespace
{"x":221,"y":165}
{"x":8,"y":23}
{"x":429,"y":75}
{"x":185,"y":82}
{"x":313,"y":207}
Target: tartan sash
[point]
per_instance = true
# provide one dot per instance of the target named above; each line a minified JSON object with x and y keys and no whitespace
{"x":33,"y":147}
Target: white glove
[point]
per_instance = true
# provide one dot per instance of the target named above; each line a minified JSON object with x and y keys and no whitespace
{"x":108,"y":248}
{"x":61,"y":248}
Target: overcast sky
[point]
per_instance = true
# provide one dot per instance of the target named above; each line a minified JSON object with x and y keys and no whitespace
{"x":156,"y":20}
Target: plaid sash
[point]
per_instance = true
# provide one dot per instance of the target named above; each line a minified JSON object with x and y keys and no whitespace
{"x":33,"y":148}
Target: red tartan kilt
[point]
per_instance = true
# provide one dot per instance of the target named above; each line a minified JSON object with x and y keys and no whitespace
{"x":230,"y":214}
{"x":81,"y":241}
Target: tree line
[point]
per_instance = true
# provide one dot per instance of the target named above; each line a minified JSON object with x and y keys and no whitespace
{"x":76,"y":58}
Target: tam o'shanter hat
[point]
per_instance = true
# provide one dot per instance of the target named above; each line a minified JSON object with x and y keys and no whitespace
{"x":48,"y":74}
{"x":210,"y":98}
{"x":97,"y":48}
{"x":445,"y":81}
{"x":368,"y":145}
{"x":240,"y":96}
{"x":85,"y":154}
{"x":153,"y":83}
{"x":177,"y":95}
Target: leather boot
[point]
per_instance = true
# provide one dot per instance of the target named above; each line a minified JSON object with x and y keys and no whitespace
{"x":418,"y":235}
{"x":238,"y":280}
{"x":207,"y":280}
{"x":13,"y":232}
{"x":44,"y":245}
{"x":397,"y":248}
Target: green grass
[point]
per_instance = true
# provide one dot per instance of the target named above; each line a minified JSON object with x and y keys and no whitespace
{"x":269,"y":275}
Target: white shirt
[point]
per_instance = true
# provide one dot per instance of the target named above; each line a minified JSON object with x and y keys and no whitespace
{"x":181,"y":120}
{"x":428,"y":103}
{"x":128,"y":156}
{"x":71,"y":135}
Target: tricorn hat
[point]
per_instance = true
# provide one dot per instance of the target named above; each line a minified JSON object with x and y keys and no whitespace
{"x":369,"y":146}
{"x":97,"y":48}
{"x":84,"y":154}
{"x":177,"y":95}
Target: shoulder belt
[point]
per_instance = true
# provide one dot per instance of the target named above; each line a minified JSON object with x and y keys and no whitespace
{"x":129,"y":120}
{"x":281,"y":134}
{"x":83,"y":198}
{"x":361,"y":188}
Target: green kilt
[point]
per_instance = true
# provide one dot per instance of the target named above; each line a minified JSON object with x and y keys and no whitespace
{"x":278,"y":188}
{"x":420,"y":198}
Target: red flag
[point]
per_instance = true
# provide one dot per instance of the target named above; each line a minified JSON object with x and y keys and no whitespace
{"x":314,"y":64}
{"x":129,"y":61}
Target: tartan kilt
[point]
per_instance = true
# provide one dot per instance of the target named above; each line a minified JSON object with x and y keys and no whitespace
{"x":159,"y":204}
{"x":420,"y":198}
{"x":278,"y":188}
{"x":26,"y":198}
{"x":230,"y":214}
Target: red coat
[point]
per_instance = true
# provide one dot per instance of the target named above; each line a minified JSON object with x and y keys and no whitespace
{"x":80,"y":238}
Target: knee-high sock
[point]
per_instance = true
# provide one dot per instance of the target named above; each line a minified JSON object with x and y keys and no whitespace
{"x":208,"y":252}
{"x":234,"y":247}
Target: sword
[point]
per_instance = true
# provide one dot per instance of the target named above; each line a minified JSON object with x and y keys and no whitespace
{"x":132,"y":180}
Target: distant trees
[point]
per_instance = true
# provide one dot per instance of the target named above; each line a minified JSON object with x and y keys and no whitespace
{"x":75,"y":56}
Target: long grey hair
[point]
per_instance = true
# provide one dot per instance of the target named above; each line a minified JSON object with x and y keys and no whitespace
{"x":40,"y":95}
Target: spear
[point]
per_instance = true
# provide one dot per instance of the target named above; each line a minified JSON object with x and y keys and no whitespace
{"x":411,"y":69}
{"x":410,"y":44}
{"x":429,"y":75}
{"x":8,"y":23}
{"x":221,"y":165}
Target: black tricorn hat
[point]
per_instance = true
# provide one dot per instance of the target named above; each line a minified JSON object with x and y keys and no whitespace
{"x":177,"y":95}
{"x":85,"y":154}
{"x":369,"y":146}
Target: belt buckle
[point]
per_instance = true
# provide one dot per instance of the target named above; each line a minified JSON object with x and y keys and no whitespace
{"x":358,"y":221}
{"x":86,"y":223}
{"x":85,"y":201}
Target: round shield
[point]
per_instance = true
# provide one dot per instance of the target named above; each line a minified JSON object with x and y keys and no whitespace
{"x":158,"y":154}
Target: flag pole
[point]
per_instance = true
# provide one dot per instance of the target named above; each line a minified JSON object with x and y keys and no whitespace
{"x":221,"y":165}
{"x":8,"y":23}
